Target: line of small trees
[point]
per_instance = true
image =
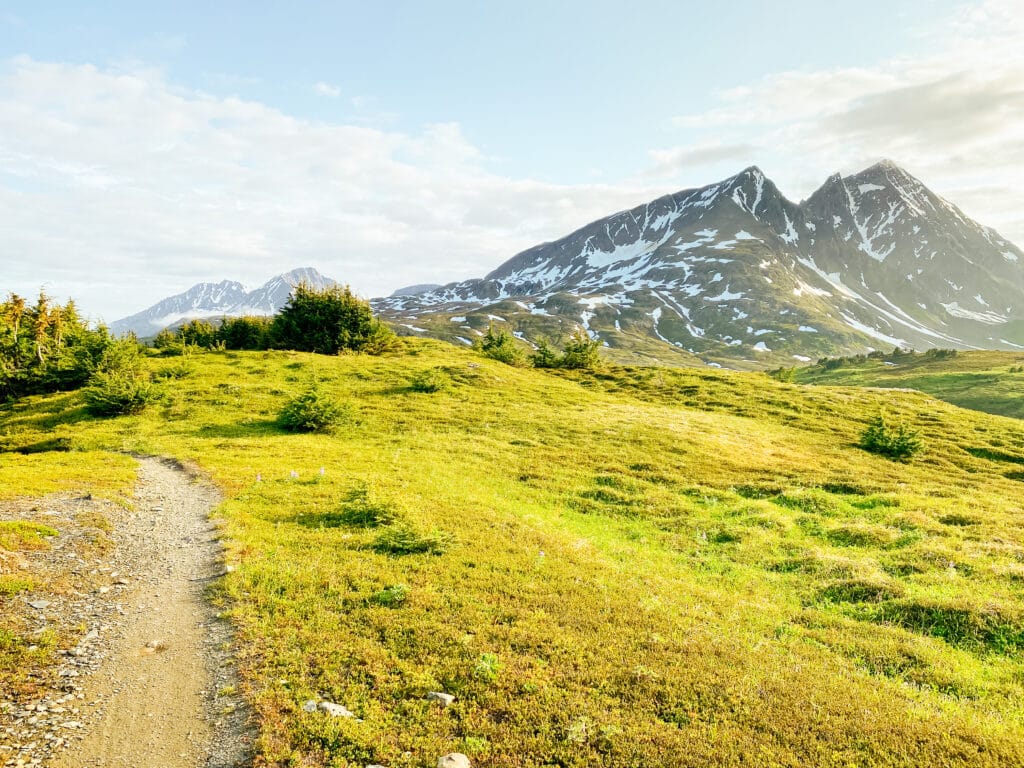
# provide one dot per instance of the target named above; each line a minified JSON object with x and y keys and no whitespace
{"x":46,"y":347}
{"x":580,"y":351}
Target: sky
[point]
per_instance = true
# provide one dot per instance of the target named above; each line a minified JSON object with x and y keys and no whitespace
{"x":145,"y":147}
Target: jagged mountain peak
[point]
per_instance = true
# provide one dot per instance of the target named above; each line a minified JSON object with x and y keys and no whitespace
{"x":735,"y":270}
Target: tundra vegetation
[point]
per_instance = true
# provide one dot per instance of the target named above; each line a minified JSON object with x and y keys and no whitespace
{"x":617,"y":566}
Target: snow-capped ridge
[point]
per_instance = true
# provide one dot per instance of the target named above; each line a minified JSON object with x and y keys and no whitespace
{"x":227,"y":298}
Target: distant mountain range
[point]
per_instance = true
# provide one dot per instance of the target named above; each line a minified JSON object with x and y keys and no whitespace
{"x":730,"y":274}
{"x":224,"y":299}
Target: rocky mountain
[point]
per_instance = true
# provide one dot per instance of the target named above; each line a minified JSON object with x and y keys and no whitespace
{"x":226,"y":298}
{"x":734,"y":273}
{"x":415,"y":290}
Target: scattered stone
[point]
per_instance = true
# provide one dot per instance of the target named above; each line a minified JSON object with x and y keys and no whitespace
{"x":309,"y":706}
{"x":156,"y":646}
{"x":39,"y":605}
{"x":453,"y":760}
{"x":444,"y":699}
{"x":335,"y":710}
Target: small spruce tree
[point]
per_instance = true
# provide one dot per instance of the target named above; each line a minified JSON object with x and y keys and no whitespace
{"x":581,"y":351}
{"x":499,"y":345}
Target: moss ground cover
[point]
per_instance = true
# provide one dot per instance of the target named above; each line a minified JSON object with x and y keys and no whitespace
{"x":632,"y":566}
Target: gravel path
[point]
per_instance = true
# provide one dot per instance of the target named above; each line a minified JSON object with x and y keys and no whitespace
{"x":150,"y":683}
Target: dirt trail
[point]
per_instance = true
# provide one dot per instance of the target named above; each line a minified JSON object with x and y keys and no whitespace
{"x":159,"y":694}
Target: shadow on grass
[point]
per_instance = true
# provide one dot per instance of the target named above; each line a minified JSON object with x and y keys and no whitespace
{"x":261,"y":428}
{"x":993,"y":455}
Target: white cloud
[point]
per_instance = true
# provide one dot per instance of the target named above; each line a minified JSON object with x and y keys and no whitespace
{"x":952,"y":117}
{"x":118,"y":188}
{"x":326,"y":89}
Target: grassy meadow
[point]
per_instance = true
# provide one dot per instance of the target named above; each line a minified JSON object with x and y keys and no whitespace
{"x":985,"y":381}
{"x":628,"y":567}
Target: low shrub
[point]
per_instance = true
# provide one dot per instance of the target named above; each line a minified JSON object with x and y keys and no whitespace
{"x":359,"y":510}
{"x":431,"y":380}
{"x":313,"y":411}
{"x":487,"y":667}
{"x":119,"y":385}
{"x":899,"y":443}
{"x":120,"y":393}
{"x":177,"y":370}
{"x":390,"y":597}
{"x":405,"y":540}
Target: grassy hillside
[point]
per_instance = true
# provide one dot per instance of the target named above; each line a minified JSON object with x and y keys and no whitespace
{"x":634,"y":567}
{"x":985,"y":381}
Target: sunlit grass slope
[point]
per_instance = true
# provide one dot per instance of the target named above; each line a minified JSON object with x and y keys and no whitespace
{"x":638,"y":567}
{"x":985,"y":381}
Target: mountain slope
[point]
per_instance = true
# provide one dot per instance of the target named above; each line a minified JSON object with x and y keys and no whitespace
{"x":736,"y":272}
{"x":226,"y":298}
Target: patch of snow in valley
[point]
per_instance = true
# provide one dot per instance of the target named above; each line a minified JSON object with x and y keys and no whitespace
{"x":460,"y":319}
{"x":802,"y":358}
{"x":726,"y":295}
{"x":872,"y":332}
{"x":808,"y":329}
{"x":761,"y":347}
{"x":791,"y":235}
{"x":989,"y":318}
{"x":863,"y":188}
{"x":803,"y":288}
{"x":1009,"y":255}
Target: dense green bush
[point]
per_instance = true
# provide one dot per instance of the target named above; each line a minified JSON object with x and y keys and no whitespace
{"x":120,"y":393}
{"x":119,"y":385}
{"x":899,"y":443}
{"x":394,"y":596}
{"x":783,"y":374}
{"x":249,"y":332}
{"x":499,"y":345}
{"x":329,"y":321}
{"x":313,"y":411}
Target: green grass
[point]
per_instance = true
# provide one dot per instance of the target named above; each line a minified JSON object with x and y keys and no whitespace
{"x":22,"y":534}
{"x":630,"y":567}
{"x":992,"y":382}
